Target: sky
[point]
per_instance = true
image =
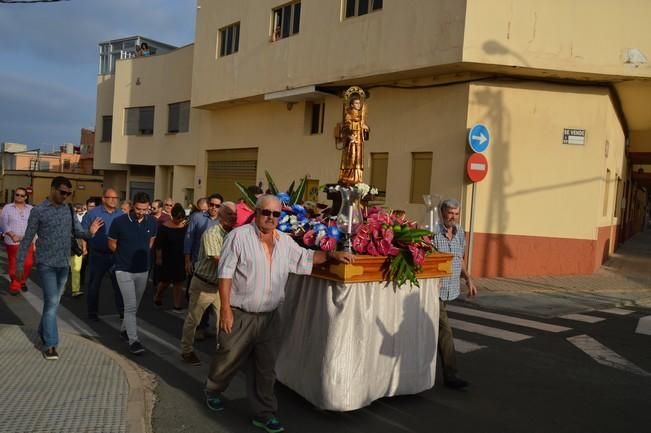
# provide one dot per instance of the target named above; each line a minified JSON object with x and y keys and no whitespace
{"x":49,"y":60}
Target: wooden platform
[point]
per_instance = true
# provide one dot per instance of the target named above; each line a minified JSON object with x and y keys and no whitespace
{"x":369,"y":269}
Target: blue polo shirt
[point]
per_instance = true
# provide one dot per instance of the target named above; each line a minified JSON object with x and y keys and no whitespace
{"x":99,"y":243}
{"x":133,"y":237}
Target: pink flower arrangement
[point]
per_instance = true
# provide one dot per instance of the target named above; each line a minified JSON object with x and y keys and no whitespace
{"x":393,"y":236}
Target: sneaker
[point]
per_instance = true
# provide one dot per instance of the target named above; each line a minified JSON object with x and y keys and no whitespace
{"x":179,"y":311}
{"x":191,"y":358}
{"x":77,"y":294}
{"x":124,"y":336}
{"x":23,"y":287}
{"x":14,"y":293}
{"x":51,"y":354}
{"x":199,"y":335}
{"x":136,"y":348}
{"x":214,"y":400}
{"x":272,"y":425}
{"x":455,"y":382}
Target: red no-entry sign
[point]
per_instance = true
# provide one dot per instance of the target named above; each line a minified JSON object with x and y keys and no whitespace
{"x":477,"y":167}
{"x":29,"y":190}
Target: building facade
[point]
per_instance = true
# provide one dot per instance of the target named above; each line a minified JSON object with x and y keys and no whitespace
{"x":264,"y":81}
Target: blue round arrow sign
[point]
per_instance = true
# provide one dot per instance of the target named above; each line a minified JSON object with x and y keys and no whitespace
{"x":479,"y":138}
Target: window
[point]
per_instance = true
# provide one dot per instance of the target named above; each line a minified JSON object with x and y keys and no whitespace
{"x":66,"y":164}
{"x":379,"y":171}
{"x":286,"y":21}
{"x":178,"y":119}
{"x":356,"y":8}
{"x":139,"y":121}
{"x":229,"y":40}
{"x":314,"y":115}
{"x":107,"y":126}
{"x":421,"y":176}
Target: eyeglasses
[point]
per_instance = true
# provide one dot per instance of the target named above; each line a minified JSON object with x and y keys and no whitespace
{"x":217,"y":205}
{"x":20,"y":195}
{"x":269,"y":212}
{"x":64,"y":193}
{"x":168,"y":205}
{"x":111,"y":197}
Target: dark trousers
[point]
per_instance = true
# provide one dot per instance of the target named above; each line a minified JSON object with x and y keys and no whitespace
{"x":253,"y":343}
{"x":99,"y":265}
{"x":446,"y":350}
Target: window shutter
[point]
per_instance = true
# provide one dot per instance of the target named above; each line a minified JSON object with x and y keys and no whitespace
{"x":131,"y":121}
{"x":146,"y":123}
{"x":173,"y":118}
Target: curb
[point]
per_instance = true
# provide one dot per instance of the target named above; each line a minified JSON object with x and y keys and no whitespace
{"x":140,"y":401}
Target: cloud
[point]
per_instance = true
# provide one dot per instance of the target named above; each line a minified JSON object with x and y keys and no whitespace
{"x":49,"y":56}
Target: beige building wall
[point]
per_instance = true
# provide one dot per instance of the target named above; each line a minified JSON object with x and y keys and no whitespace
{"x":400,"y":37}
{"x":559,"y":36}
{"x":154,"y":81}
{"x":102,"y":150}
{"x":529,"y":166}
{"x":401,"y":122}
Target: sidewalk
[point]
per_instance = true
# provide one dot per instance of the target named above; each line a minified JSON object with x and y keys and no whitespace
{"x":90,"y":389}
{"x":624,"y":280}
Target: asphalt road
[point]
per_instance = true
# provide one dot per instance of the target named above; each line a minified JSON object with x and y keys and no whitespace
{"x":544,"y":383}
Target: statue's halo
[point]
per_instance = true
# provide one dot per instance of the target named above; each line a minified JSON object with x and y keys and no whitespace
{"x":354,"y":90}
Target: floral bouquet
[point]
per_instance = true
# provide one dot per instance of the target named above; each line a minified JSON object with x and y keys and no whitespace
{"x":392,"y":235}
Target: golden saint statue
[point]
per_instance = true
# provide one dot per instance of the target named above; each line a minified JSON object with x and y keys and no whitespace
{"x":352,"y":133}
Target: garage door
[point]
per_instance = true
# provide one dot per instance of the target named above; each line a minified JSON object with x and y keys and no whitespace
{"x":225,"y":167}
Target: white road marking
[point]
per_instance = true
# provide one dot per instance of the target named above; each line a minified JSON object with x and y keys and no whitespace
{"x":583,"y":318}
{"x":463,"y":346}
{"x":507,"y":319}
{"x":617,"y":311}
{"x":644,"y":326}
{"x":605,"y":356}
{"x":502,"y":334}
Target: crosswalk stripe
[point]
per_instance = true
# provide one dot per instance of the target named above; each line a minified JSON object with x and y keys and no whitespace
{"x":507,"y":319}
{"x":463,"y":346}
{"x":605,"y":356}
{"x":644,"y":326}
{"x":617,"y":311}
{"x":502,"y":334}
{"x":582,"y":318}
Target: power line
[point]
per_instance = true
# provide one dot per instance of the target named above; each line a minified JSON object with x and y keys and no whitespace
{"x":32,"y":1}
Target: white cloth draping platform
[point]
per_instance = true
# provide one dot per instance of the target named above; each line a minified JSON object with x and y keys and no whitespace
{"x":348,"y":344}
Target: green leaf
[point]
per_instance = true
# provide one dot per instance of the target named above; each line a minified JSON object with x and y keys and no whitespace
{"x":249,"y":198}
{"x":297,"y":197}
{"x":290,"y":190}
{"x":270,"y":181}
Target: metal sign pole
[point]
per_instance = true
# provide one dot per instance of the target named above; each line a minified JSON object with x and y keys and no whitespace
{"x":472,"y":226}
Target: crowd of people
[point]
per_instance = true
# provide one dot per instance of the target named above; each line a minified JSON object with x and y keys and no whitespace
{"x":230,"y":260}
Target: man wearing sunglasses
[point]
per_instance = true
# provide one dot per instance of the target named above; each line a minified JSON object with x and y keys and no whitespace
{"x":101,"y":260}
{"x":14,"y":221}
{"x":255,"y":262}
{"x":53,"y":222}
{"x":199,"y":223}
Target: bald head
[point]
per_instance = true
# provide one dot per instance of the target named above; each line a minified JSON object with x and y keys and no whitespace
{"x":228,"y":215}
{"x":110,"y":199}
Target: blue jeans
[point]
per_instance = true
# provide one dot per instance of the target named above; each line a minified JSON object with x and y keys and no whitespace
{"x":53,"y":281}
{"x":100,"y":265}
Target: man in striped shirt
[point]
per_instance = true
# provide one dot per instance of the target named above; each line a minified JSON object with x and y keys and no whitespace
{"x":14,"y":222}
{"x":203,"y":287}
{"x":255,"y":262}
{"x":450,"y":238}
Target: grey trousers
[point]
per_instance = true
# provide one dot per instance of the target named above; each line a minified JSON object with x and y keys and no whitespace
{"x":132,"y":287}
{"x":446,"y":344}
{"x":253,"y":343}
